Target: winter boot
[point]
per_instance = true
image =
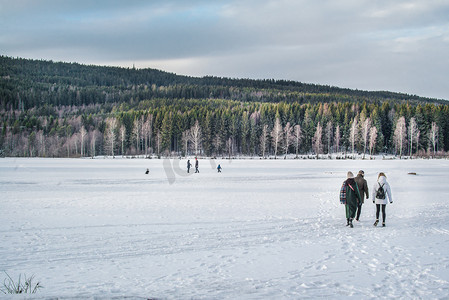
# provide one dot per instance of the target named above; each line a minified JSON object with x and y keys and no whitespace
{"x":383,"y":224}
{"x":375,"y":223}
{"x":350,"y":223}
{"x":347,"y":222}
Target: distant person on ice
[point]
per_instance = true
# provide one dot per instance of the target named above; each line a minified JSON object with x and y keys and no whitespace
{"x":188,"y":166}
{"x":381,"y":191}
{"x":147,"y":171}
{"x":197,"y":164}
{"x":363,"y":189}
{"x":219,"y":168}
{"x":350,"y":196}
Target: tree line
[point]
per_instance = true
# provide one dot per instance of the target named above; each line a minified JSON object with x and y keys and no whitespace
{"x":227,"y":128}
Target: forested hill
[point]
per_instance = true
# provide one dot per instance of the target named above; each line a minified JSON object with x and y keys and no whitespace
{"x":33,"y":83}
{"x":55,"y":109}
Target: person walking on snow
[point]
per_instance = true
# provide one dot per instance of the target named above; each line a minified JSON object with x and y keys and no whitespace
{"x":196,"y":165}
{"x":352,"y":197}
{"x":219,"y":168}
{"x":363,"y":189}
{"x":381,"y":191}
{"x":188,"y":166}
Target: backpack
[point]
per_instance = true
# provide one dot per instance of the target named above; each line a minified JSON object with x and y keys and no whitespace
{"x":380,"y":192}
{"x":343,"y":193}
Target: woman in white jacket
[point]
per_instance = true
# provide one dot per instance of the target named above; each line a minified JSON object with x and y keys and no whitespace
{"x":381,"y":194}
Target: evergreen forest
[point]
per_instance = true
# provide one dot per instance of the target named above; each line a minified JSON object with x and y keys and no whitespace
{"x":58,"y":109}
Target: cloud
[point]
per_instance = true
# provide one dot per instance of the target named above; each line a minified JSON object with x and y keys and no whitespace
{"x":375,"y":45}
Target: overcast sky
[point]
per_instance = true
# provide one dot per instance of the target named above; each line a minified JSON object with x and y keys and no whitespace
{"x":400,"y":46}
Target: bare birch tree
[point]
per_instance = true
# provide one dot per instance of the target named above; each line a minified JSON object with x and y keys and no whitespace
{"x":158,"y":142}
{"x":372,"y":139}
{"x":433,"y":136}
{"x":217,"y":144}
{"x":297,"y":133}
{"x":329,"y":135}
{"x":276,"y":134}
{"x":400,"y":135}
{"x":365,"y":134}
{"x":413,"y":134}
{"x":196,"y":137}
{"x":353,"y":133}
{"x":83,"y":134}
{"x":317,"y":141}
{"x":136,"y":134}
{"x":185,"y":141}
{"x":147,"y":129}
{"x":123,"y":138}
{"x":288,"y":137}
{"x":229,"y":144}
{"x":337,"y":138}
{"x":264,"y":139}
{"x":111,"y":127}
{"x":94,"y":136}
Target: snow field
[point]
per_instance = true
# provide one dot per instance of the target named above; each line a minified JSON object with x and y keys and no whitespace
{"x":261,"y":229}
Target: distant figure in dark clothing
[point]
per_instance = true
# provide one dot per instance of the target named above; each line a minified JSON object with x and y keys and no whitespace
{"x":147,"y":171}
{"x":363,"y":189}
{"x":188,"y":166}
{"x":219,"y":169}
{"x":196,"y":165}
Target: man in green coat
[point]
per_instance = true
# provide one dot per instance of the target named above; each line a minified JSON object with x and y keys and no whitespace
{"x":352,"y":198}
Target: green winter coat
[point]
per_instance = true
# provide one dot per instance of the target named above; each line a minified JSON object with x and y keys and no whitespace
{"x":352,"y":198}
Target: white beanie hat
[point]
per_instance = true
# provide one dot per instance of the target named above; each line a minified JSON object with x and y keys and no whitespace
{"x":350,"y":175}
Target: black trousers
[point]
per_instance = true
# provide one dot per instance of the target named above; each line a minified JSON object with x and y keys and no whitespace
{"x":378,"y":211}
{"x":359,"y":210}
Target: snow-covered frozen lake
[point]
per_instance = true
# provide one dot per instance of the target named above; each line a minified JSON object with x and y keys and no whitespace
{"x":258,"y":230}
